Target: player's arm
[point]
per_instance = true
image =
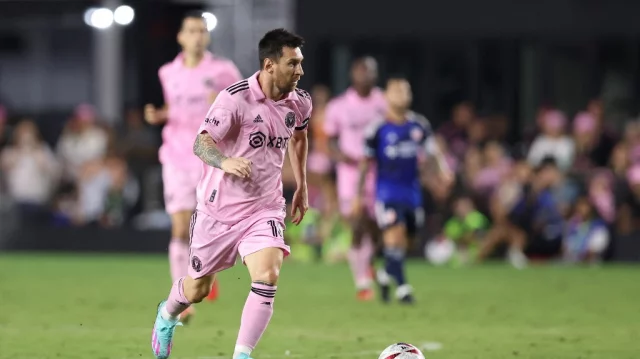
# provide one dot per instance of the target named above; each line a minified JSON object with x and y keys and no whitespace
{"x":298,"y":150}
{"x":217,"y":124}
{"x":156,"y":116}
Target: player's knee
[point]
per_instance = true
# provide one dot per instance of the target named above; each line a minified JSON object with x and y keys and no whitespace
{"x":267,"y":276}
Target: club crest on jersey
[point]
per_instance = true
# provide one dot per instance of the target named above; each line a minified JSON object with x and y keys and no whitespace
{"x":416,"y":134}
{"x":196,"y":264}
{"x":208,"y":82}
{"x":290,"y":119}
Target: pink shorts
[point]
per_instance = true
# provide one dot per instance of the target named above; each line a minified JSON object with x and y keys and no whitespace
{"x":214,"y":246}
{"x":180,"y":188}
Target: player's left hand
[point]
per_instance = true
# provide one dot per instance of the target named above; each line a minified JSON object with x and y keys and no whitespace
{"x":300,"y":205}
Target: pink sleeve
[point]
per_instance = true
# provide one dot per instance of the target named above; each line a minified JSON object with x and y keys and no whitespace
{"x":228,"y":77}
{"x":303,"y":122}
{"x":220,"y":119}
{"x":331,"y":123}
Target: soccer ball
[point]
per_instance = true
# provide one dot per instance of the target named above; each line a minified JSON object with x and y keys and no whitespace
{"x":401,"y":351}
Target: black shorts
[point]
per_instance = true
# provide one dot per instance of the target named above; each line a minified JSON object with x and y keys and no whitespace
{"x":390,"y":214}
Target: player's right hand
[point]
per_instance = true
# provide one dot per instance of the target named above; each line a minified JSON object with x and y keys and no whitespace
{"x":151,"y":114}
{"x":237,"y":166}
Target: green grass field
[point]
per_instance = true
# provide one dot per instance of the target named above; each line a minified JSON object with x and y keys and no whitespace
{"x":93,"y":307}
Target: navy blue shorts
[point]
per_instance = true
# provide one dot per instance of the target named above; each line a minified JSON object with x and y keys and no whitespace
{"x":389,"y":214}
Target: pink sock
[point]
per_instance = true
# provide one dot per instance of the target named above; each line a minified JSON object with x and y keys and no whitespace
{"x":178,"y":258}
{"x":360,"y":262}
{"x":256,"y":315}
{"x":177,"y":302}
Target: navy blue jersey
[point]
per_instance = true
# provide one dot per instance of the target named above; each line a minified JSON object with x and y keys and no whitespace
{"x":396,"y":149}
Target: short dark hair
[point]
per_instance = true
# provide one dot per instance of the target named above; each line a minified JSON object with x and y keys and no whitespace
{"x":271,"y":44}
{"x":192,"y":14}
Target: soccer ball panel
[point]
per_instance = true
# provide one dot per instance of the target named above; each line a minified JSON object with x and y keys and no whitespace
{"x":401,"y":351}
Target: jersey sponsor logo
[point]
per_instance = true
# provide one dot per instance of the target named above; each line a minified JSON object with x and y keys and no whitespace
{"x":258,"y":119}
{"x":404,"y":149}
{"x":208,"y":82}
{"x":290,"y":119}
{"x":258,"y":139}
{"x":212,"y":121}
{"x":416,"y":134}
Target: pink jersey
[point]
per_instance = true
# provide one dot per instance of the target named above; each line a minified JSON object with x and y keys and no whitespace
{"x":244,"y":123}
{"x":187,"y":93}
{"x":347,"y":117}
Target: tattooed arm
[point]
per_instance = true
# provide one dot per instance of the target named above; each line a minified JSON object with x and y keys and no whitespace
{"x":205,"y":148}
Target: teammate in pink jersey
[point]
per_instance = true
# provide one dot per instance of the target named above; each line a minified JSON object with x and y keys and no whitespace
{"x":190,"y":84}
{"x":347,"y":118}
{"x":240,"y":210}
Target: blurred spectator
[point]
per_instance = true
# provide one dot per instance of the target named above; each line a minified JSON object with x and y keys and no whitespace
{"x":510,"y":213}
{"x":30,"y":168}
{"x":553,"y":142}
{"x":586,"y":138}
{"x":496,"y":165}
{"x":105,"y":192}
{"x":4,"y":132}
{"x":82,"y":141}
{"x":455,"y":130}
{"x":605,"y":136}
{"x":550,"y":199}
{"x":137,"y":142}
{"x":319,"y":164}
{"x":629,"y":210}
{"x":586,"y":236}
{"x":601,"y":195}
{"x":467,"y":227}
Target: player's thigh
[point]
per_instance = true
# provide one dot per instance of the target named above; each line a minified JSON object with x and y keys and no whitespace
{"x":262,"y":247}
{"x":392,"y":221}
{"x":213,"y":246}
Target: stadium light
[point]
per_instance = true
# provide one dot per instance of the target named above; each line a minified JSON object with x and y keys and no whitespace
{"x":123,"y":15}
{"x":211,"y":20}
{"x":101,"y":18}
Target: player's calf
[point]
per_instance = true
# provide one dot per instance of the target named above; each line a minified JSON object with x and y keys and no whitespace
{"x":395,"y":244}
{"x":264,"y":269}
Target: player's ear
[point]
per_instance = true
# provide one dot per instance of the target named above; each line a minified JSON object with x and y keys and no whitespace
{"x":268,"y":65}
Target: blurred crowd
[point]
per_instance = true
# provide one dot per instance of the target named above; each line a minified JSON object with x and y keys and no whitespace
{"x":567,"y":188}
{"x":564,"y":190}
{"x":86,"y":175}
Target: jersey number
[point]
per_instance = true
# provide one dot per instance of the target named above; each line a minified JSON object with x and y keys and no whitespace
{"x":276,"y":230}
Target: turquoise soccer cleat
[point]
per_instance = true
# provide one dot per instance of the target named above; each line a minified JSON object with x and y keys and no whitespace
{"x":243,"y":356}
{"x":162,"y":337}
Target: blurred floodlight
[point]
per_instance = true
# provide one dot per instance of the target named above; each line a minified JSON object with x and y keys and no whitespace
{"x":211,"y":19}
{"x":87,"y":15}
{"x":123,"y":15}
{"x":100,"y":18}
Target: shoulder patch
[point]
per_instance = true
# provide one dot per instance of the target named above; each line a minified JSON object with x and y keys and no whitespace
{"x":238,"y":87}
{"x":303,"y":93}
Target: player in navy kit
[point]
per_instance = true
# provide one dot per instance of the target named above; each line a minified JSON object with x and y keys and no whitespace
{"x":398,"y":144}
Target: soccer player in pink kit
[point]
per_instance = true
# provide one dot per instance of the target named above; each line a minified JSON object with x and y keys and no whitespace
{"x":190,"y":84}
{"x":347,"y":118}
{"x":241,"y":210}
